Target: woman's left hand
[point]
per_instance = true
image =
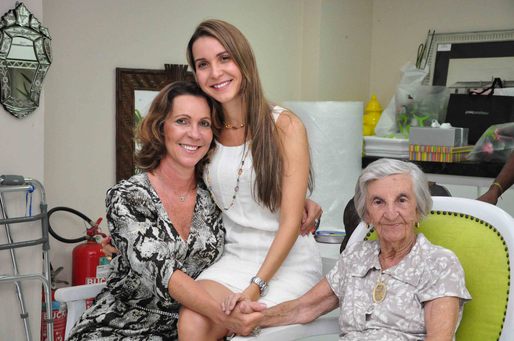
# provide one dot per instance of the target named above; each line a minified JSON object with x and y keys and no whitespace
{"x":252,"y":292}
{"x":311,"y":217}
{"x":231,"y":301}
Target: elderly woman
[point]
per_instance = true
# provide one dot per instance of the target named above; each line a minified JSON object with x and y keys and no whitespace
{"x":399,"y":287}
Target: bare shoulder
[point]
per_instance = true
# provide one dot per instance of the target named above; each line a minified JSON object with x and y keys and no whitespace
{"x":289,"y":124}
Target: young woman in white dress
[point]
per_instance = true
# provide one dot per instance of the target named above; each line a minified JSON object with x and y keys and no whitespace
{"x":258,"y":175}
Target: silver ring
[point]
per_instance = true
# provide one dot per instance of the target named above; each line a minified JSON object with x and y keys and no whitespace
{"x":256,"y":331}
{"x":316,"y":223}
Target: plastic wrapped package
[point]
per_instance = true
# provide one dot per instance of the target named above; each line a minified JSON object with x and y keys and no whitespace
{"x":495,"y":144}
{"x":335,"y":139}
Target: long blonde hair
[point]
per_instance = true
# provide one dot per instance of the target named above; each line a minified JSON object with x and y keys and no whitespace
{"x":266,"y":147}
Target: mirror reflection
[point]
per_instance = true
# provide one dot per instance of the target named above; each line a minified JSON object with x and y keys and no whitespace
{"x":24,"y":60}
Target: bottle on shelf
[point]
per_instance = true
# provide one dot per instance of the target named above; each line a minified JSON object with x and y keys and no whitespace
{"x":371,"y":116}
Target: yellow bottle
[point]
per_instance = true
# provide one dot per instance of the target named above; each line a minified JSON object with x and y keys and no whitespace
{"x":371,"y":116}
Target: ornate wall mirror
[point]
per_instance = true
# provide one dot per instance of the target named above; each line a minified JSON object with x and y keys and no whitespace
{"x":24,"y":60}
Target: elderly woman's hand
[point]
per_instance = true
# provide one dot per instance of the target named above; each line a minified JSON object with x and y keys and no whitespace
{"x":246,"y":321}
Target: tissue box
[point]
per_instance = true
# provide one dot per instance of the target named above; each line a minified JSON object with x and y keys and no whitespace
{"x":451,"y":137}
{"x":438,"y":153}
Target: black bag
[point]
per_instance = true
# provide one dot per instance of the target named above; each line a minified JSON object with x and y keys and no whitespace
{"x":478,"y":112}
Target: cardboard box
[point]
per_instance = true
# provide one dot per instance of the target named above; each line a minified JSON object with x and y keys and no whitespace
{"x":427,"y":136}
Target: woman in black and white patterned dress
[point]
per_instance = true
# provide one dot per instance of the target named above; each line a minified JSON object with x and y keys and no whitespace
{"x":165,"y":225}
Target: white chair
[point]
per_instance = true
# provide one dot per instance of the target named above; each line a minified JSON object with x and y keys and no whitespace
{"x":482,"y":236}
{"x":75,"y":299}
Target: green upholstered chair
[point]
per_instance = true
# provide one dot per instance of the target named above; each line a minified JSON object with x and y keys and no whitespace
{"x":482,"y":237}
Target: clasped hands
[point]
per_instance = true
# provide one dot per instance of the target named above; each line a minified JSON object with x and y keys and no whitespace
{"x":243,"y":314}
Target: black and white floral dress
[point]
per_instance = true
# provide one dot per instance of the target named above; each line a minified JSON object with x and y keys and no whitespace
{"x":136,"y":304}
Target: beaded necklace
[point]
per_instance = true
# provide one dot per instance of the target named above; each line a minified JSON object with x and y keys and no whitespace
{"x":236,"y":188}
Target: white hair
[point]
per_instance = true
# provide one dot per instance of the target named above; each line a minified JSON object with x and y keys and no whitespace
{"x":384,"y":167}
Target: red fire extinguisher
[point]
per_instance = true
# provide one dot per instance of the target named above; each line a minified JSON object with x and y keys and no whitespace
{"x":89,"y":265}
{"x":87,"y":256}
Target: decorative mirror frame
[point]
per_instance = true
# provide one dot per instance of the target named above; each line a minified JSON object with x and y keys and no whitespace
{"x":19,"y":22}
{"x":479,"y":44}
{"x":128,"y":81}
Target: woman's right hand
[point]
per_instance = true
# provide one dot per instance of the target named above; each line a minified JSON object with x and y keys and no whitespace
{"x":489,"y":197}
{"x":107,"y":247}
{"x":311,"y":217}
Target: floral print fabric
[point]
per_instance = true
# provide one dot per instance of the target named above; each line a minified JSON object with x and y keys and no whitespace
{"x":136,"y":304}
{"x":426,"y":273}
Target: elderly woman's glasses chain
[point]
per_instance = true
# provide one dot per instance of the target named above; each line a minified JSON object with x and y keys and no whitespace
{"x":236,"y":188}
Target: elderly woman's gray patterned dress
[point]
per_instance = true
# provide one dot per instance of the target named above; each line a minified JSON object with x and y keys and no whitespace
{"x":426,"y":273}
{"x":136,"y":304}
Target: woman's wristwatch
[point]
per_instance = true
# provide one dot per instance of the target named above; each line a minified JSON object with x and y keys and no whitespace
{"x":262,"y":284}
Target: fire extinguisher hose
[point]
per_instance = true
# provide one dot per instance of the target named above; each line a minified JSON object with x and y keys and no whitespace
{"x":70,"y":210}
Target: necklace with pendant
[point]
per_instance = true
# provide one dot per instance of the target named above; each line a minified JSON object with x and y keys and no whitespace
{"x":236,"y":188}
{"x":181,"y":197}
{"x":380,"y":290}
{"x":230,"y":126}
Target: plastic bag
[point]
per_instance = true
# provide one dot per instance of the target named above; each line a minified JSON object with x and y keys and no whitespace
{"x":413,"y":104}
{"x":419,"y":106}
{"x":495,"y":144}
{"x":411,"y":77}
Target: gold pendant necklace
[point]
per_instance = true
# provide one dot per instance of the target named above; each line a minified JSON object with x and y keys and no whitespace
{"x":181,"y":197}
{"x":380,"y":290}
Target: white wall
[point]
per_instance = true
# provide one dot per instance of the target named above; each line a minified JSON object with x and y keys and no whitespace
{"x":21,"y":152}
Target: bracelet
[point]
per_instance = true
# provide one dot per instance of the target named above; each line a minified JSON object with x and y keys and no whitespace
{"x":496,"y":183}
{"x":262,"y":284}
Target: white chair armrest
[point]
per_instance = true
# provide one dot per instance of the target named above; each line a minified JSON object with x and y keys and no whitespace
{"x":75,"y":299}
{"x":78,"y":292}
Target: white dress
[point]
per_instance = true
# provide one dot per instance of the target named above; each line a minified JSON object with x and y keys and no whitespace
{"x":250,"y":230}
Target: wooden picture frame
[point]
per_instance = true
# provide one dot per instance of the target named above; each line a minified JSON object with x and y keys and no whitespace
{"x":128,"y":81}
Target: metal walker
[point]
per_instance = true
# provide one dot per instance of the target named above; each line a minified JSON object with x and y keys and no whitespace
{"x":16,"y":183}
